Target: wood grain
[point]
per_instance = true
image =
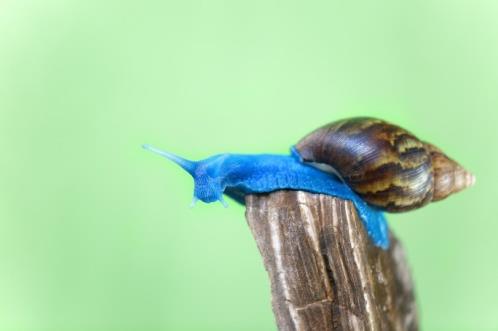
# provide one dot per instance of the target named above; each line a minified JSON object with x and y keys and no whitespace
{"x":324,"y":272}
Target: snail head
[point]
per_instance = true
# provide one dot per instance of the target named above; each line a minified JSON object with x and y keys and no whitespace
{"x":206,"y":174}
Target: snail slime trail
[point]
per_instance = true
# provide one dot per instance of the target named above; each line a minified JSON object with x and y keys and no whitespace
{"x":378,"y":166}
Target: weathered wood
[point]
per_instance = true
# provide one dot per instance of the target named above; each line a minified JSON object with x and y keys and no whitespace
{"x":324,"y":272}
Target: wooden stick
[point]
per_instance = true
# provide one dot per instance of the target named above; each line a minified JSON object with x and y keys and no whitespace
{"x":325,"y":274}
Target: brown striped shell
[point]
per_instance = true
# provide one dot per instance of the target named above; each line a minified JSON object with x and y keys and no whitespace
{"x":386,"y":165}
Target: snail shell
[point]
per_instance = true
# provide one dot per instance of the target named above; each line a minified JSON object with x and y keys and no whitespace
{"x":386,"y":165}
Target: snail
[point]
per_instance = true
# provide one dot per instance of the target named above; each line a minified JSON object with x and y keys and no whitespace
{"x":376,"y":165}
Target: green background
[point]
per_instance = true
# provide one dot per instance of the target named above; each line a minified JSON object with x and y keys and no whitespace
{"x":96,"y":233}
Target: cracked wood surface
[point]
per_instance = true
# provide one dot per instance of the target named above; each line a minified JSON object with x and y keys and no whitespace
{"x":324,"y":272}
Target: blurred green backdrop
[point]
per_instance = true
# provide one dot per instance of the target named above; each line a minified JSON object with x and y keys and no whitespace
{"x":96,"y":234}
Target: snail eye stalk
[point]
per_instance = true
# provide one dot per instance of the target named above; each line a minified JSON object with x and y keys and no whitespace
{"x":188,"y":165}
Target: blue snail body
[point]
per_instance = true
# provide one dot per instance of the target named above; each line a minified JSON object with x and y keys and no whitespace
{"x":237,"y":175}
